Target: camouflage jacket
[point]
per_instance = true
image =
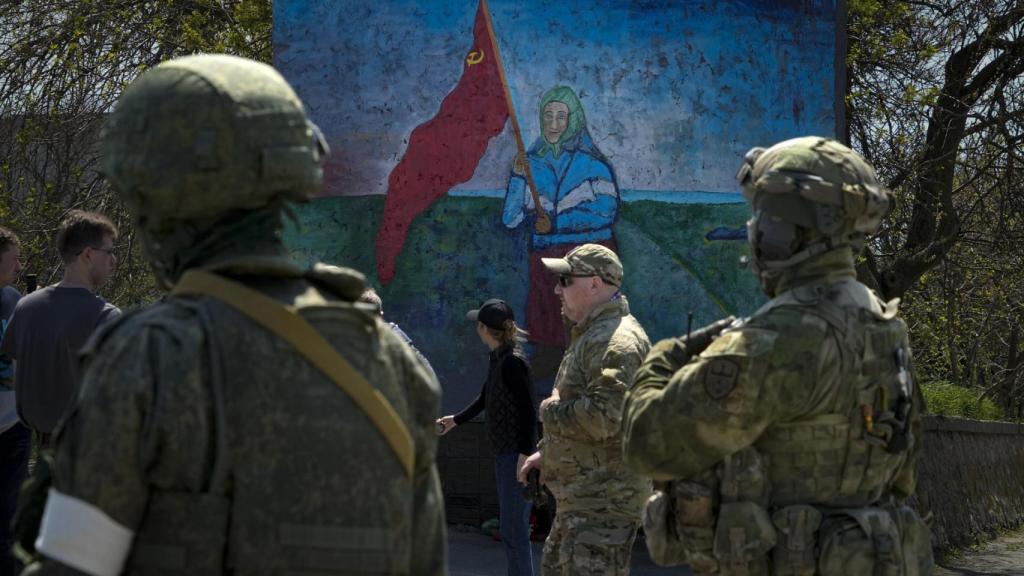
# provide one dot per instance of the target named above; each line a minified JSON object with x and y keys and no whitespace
{"x":271,"y":462}
{"x":582,"y":445}
{"x":786,"y":367}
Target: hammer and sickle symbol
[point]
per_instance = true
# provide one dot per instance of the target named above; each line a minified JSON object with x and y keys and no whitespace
{"x":475,"y":57}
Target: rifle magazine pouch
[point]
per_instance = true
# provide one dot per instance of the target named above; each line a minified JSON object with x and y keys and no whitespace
{"x":695,"y":519}
{"x":182,"y":534}
{"x":917,"y":543}
{"x":796,"y":552}
{"x":861,"y":541}
{"x":662,"y":542}
{"x":743,"y":537}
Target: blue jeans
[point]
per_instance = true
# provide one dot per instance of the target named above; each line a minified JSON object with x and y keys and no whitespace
{"x":15,"y":445}
{"x":514,"y":514}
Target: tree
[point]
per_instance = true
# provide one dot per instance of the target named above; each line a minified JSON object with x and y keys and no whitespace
{"x":63,"y":63}
{"x":936,"y":102}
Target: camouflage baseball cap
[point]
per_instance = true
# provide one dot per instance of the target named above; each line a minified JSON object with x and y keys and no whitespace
{"x":588,"y":260}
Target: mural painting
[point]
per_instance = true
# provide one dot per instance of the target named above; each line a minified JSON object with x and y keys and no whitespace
{"x":470,"y":138}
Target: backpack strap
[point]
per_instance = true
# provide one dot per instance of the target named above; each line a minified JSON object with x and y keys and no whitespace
{"x":286,"y":323}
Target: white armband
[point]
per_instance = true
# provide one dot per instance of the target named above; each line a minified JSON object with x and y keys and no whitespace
{"x":82,"y":536}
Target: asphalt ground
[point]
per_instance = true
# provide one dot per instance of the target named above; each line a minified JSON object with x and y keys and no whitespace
{"x":1003,"y":556}
{"x":471,"y":553}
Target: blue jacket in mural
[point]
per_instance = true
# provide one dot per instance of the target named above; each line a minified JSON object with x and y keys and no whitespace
{"x":577,"y":189}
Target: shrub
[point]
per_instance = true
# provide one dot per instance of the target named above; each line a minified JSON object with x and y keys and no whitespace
{"x":947,"y":399}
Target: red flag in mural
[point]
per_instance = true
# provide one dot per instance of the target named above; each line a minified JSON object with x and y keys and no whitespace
{"x":444,"y":151}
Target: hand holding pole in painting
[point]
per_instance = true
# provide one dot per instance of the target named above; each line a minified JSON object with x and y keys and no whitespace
{"x":543,"y":223}
{"x":521,"y":168}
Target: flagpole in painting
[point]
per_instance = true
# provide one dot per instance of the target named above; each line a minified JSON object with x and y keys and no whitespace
{"x":444,"y":151}
{"x":543,"y":223}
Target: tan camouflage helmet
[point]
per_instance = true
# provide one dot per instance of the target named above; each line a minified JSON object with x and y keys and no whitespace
{"x":199,"y":136}
{"x":816,"y":183}
{"x":588,"y":260}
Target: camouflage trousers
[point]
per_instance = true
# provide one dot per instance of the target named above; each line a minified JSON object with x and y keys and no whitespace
{"x":588,"y":544}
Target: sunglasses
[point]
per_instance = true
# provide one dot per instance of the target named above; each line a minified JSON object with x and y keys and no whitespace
{"x":109,"y":251}
{"x":565,"y":280}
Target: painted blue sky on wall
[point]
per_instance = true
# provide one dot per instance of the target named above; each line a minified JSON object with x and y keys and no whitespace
{"x":674,"y":91}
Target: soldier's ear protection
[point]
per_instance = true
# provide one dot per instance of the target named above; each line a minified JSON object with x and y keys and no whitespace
{"x":746,"y":170}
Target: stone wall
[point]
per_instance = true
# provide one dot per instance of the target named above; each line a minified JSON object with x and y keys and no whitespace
{"x":971,"y":477}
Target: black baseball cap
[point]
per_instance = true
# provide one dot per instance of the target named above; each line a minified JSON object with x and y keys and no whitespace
{"x":492,"y":313}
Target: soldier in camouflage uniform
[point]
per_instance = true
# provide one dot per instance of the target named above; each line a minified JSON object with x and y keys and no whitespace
{"x":598,"y":500}
{"x":203,"y":442}
{"x":793,"y":435}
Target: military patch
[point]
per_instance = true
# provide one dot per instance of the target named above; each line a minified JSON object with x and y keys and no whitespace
{"x":720,"y":377}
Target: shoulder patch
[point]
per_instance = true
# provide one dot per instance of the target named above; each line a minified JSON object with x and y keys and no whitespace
{"x":720,"y":377}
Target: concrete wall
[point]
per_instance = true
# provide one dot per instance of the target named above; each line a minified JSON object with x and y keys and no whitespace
{"x":971,"y":478}
{"x":673,"y":94}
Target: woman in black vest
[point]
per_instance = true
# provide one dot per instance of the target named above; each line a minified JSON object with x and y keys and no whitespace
{"x":507,"y":396}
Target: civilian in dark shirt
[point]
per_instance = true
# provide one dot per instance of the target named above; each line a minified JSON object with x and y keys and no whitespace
{"x":508,"y":398}
{"x":370,"y":296}
{"x":15,"y":437}
{"x":50,"y":326}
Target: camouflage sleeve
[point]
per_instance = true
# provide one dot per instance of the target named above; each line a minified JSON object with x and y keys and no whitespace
{"x":664,"y":359}
{"x":679,"y":424}
{"x":142,"y":413}
{"x":429,"y":534}
{"x":596,"y":414}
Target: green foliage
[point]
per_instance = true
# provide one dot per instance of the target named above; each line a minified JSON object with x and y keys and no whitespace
{"x":934,"y":101}
{"x":946,"y":399}
{"x":63,"y":63}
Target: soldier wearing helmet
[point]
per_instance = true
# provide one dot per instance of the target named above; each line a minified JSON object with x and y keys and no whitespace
{"x":786,"y":443}
{"x":258,"y":420}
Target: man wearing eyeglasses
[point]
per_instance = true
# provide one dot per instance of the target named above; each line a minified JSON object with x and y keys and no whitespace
{"x":50,"y":326}
{"x":598,"y":499}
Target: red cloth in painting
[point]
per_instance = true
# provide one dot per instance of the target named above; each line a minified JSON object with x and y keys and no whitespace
{"x":543,"y":309}
{"x":444,"y":151}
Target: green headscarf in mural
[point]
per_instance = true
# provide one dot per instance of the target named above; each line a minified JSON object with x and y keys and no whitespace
{"x":577,"y":119}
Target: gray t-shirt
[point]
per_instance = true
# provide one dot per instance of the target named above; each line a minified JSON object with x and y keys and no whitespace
{"x":9,"y":296}
{"x":48,"y":329}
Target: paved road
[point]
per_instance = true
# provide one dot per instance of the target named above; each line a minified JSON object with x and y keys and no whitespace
{"x":474,"y":554}
{"x":1003,"y":556}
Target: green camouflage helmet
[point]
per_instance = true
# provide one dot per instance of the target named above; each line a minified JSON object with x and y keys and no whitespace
{"x":817,"y":184}
{"x":196,"y":137}
{"x":809,"y":195}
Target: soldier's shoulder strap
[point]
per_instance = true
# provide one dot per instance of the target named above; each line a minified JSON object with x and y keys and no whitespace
{"x":346,"y":283}
{"x":286,"y":323}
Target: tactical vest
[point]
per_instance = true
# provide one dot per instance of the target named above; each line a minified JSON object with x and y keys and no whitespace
{"x":282,"y":425}
{"x":812,"y":496}
{"x":849,"y":456}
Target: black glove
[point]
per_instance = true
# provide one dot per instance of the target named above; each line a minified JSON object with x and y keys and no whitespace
{"x":700,"y":339}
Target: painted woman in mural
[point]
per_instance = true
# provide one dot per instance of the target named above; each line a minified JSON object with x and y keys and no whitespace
{"x":578,"y":193}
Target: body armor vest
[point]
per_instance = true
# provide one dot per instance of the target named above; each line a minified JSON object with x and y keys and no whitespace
{"x":848,"y":456}
{"x":301,"y":482}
